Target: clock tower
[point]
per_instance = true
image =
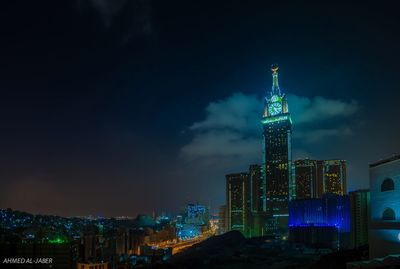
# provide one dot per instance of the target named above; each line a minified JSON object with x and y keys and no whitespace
{"x":277,"y":158}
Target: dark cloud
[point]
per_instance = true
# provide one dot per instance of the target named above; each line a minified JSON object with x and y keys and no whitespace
{"x":237,"y":112}
{"x":107,"y":9}
{"x":129,"y":19}
{"x":232,"y":126}
{"x":305,"y":110}
{"x":321,"y":135}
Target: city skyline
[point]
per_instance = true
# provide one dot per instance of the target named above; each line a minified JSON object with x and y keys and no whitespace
{"x":149,"y":106}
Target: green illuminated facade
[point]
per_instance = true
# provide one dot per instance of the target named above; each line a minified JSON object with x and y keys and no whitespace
{"x":277,"y":158}
{"x":238,"y":202}
{"x":257,"y":186}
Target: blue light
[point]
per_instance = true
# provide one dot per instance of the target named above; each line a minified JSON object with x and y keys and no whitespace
{"x":311,"y":225}
{"x":188,"y":232}
{"x":330,"y":210}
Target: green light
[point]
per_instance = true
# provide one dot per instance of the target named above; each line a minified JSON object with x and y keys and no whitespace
{"x":56,"y":241}
{"x":275,"y":119}
{"x":275,"y":98}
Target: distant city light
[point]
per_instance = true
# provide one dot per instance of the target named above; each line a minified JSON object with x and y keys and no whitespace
{"x":56,"y":241}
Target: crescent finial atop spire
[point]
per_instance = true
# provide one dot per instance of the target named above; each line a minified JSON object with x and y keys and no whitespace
{"x":274,"y":68}
{"x":275,"y":83}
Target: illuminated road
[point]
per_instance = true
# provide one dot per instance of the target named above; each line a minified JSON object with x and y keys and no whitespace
{"x":182,"y":245}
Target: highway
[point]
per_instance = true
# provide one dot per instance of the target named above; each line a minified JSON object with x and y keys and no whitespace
{"x":182,"y":245}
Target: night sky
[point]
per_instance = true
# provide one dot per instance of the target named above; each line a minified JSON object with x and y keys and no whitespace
{"x":117,"y":107}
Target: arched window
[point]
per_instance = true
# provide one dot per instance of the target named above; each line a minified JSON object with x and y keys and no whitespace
{"x":387,"y":185}
{"x":388,"y":214}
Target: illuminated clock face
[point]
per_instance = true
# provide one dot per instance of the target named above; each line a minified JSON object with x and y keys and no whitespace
{"x":275,"y":108}
{"x":274,"y":98}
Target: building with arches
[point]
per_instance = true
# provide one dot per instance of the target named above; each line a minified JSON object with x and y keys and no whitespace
{"x":384,"y":232}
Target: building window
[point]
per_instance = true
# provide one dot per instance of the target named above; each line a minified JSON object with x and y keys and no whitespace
{"x":388,"y":214}
{"x":387,"y":185}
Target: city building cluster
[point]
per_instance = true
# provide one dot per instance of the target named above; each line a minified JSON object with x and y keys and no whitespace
{"x":305,"y":202}
{"x":121,"y":242}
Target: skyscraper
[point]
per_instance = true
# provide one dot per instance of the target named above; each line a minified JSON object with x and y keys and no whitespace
{"x":258,"y":207}
{"x":257,"y":189}
{"x":306,"y":178}
{"x":222,"y":219}
{"x":238,"y":202}
{"x":359,"y":212}
{"x":313,"y":178}
{"x":334,"y":177}
{"x":277,"y":156}
{"x":197,"y":214}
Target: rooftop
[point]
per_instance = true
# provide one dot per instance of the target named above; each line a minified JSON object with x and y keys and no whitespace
{"x":387,"y":160}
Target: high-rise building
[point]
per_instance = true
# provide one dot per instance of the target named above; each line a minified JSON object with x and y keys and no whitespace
{"x":306,"y":179}
{"x":238,"y":202}
{"x":313,"y":178}
{"x":334,"y":177}
{"x":128,"y":241}
{"x":258,"y":206}
{"x":277,"y":156}
{"x":197,"y":219}
{"x":384,"y":233}
{"x":122,"y":241}
{"x":222,"y":225}
{"x":89,"y":246}
{"x":359,"y":215}
{"x":257,"y":186}
{"x":197,"y":214}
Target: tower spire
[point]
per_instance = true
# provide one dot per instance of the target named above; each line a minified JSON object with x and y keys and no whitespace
{"x":275,"y":83}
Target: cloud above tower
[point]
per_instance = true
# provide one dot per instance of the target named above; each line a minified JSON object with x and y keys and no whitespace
{"x":305,"y":110}
{"x":232,"y":127}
